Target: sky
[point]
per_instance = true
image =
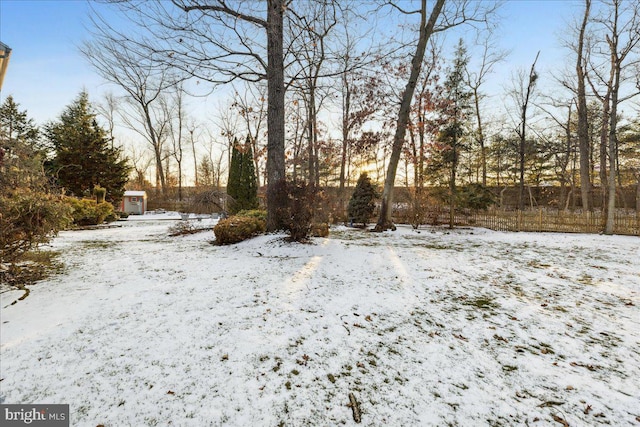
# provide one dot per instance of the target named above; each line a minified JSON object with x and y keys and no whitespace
{"x":47,"y":71}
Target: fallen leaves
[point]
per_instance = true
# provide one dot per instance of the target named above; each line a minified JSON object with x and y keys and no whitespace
{"x":550,"y":403}
{"x":461,"y":337}
{"x":499,"y":338}
{"x":560,"y":420}
{"x":592,"y":368}
{"x":303,"y":362}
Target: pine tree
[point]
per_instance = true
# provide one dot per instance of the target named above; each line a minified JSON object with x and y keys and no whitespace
{"x":361,"y":205}
{"x":235,"y":172}
{"x":83,"y":155}
{"x":242,"y":185}
{"x":20,"y":155}
{"x":29,"y":213}
{"x":248,"y":179}
{"x":452,"y":134}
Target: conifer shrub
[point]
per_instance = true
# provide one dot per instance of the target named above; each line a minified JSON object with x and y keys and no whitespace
{"x":88,"y":211}
{"x":100,"y":193}
{"x":122,"y":215}
{"x":475,"y":196}
{"x":362,"y":202}
{"x":242,"y":185}
{"x":254,"y":213}
{"x":237,"y":228}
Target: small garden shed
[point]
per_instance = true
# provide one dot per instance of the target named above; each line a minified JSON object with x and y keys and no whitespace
{"x":134,"y":202}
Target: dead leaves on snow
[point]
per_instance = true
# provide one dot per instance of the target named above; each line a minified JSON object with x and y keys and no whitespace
{"x":560,"y":420}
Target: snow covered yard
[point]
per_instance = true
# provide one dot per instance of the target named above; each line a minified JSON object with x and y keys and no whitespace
{"x":430,"y":328}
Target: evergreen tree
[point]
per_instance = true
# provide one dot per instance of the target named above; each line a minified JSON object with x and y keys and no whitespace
{"x":248,"y":179}
{"x":20,"y":155}
{"x":361,"y":205}
{"x":451,"y":137}
{"x":83,"y":155}
{"x":29,"y":213}
{"x":242,"y":185}
{"x":235,"y":172}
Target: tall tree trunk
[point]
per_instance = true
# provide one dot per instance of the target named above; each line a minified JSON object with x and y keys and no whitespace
{"x":523,"y":132}
{"x":452,"y":184}
{"x":638,"y":193}
{"x":604,"y":132}
{"x":583,"y":124}
{"x":195,"y":158}
{"x":613,"y":144}
{"x":276,"y":201}
{"x":157,"y":151}
{"x":480,"y":136}
{"x":426,"y":29}
{"x":346,"y":111}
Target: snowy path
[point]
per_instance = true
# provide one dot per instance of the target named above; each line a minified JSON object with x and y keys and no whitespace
{"x":467,"y":328}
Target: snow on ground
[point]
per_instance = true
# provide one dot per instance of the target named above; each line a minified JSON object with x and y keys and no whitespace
{"x":431,"y":328}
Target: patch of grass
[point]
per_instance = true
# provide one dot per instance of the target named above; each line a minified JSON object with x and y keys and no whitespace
{"x":585,"y":279}
{"x":483,"y":303}
{"x":32,"y":267}
{"x":97,"y":244}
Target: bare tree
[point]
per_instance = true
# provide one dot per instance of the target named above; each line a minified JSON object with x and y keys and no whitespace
{"x":582,"y":113}
{"x":108,"y":109}
{"x":141,"y":164}
{"x":191,"y":128}
{"x":143,"y":83}
{"x":427,"y":27}
{"x":174,"y":107}
{"x":220,"y":41}
{"x":439,"y":19}
{"x":522,"y":94}
{"x":490,"y":57}
{"x":250,"y":103}
{"x":622,"y":33}
{"x":311,"y":28}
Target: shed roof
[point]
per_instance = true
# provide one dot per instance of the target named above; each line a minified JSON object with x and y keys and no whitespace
{"x":135,"y":193}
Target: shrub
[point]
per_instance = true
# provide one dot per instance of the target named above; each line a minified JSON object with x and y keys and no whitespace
{"x":112,"y":217}
{"x":88,"y":212}
{"x":320,"y":229}
{"x":238,"y":228}
{"x":28,"y":218}
{"x":475,"y":196}
{"x":254,"y":213}
{"x":301,"y":204}
{"x":100,"y":193}
{"x":361,"y":205}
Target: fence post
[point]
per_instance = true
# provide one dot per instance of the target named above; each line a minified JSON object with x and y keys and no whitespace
{"x":540,"y":221}
{"x":519,"y":220}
